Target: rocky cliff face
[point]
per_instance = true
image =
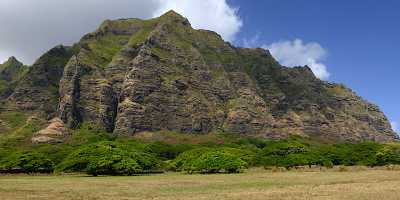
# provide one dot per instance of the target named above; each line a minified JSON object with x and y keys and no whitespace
{"x":37,"y":89}
{"x":135,"y":75}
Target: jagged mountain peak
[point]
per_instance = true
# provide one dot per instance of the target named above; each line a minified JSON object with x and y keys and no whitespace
{"x":172,"y":13}
{"x":12,"y":59}
{"x":166,"y":75}
{"x":11,"y":70}
{"x":12,"y":62}
{"x":133,"y":75}
{"x":174,"y":17}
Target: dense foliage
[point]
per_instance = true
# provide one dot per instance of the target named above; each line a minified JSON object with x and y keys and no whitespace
{"x":205,"y":160}
{"x":26,"y":162}
{"x":109,"y":158}
{"x":92,"y":151}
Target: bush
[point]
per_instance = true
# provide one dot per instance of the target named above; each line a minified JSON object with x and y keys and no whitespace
{"x":218,"y":161}
{"x":364,"y":154}
{"x":327,"y":163}
{"x":292,"y":153}
{"x":246,"y":155}
{"x":88,"y":133}
{"x":167,"y":151}
{"x":388,"y":155}
{"x":27,"y":162}
{"x":259,"y":143}
{"x":185,"y":160}
{"x":353,"y":154}
{"x":208,"y":160}
{"x":56,"y":153}
{"x":287,"y":154}
{"x":109,"y":158}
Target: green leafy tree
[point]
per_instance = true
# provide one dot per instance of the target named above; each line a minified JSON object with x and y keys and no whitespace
{"x":27,"y":162}
{"x":109,"y":158}
{"x":218,"y":161}
{"x":211,"y":160}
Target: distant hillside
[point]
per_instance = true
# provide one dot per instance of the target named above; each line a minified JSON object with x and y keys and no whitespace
{"x":10,"y":72}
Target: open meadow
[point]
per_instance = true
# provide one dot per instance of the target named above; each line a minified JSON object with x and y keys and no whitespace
{"x":253,"y":184}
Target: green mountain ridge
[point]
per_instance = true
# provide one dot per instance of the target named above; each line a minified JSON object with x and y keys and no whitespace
{"x":132,"y":76}
{"x":10,"y":72}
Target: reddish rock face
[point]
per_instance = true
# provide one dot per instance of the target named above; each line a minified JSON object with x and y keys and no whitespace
{"x":134,"y":75}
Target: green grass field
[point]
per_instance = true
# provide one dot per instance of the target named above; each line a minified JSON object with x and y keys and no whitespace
{"x":253,"y":184}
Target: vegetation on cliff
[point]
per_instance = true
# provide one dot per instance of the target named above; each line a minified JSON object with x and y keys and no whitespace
{"x":138,"y":96}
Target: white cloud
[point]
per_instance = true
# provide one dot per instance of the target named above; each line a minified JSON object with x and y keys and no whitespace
{"x":216,"y":15}
{"x":297,"y":53}
{"x":252,"y":42}
{"x":41,"y":24}
{"x":395,"y":127}
{"x":29,"y":28}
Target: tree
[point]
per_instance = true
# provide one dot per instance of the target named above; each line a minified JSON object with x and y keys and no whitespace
{"x":109,"y":158}
{"x":27,"y":162}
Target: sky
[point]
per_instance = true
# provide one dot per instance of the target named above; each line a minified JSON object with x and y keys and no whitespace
{"x":356,"y":42}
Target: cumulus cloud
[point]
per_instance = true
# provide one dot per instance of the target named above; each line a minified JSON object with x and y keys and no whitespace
{"x":216,"y":15}
{"x":395,"y":127}
{"x":29,"y":28}
{"x":296,"y":52}
{"x":251,"y":42}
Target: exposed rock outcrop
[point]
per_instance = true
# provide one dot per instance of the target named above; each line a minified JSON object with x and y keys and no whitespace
{"x":38,"y":88}
{"x":53,"y":133}
{"x":133,"y":75}
{"x":136,"y":75}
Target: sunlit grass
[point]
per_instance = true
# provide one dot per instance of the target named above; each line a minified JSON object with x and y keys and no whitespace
{"x":254,"y":184}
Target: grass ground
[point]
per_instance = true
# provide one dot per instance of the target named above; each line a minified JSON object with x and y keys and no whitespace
{"x":254,"y":184}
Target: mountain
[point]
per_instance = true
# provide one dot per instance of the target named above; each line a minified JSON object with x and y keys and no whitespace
{"x":133,"y":75}
{"x":10,"y":72}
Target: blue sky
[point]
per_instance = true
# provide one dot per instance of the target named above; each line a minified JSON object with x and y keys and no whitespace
{"x":361,"y":38}
{"x":355,"y":42}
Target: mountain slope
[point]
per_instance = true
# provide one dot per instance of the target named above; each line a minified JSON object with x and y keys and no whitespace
{"x":135,"y":75}
{"x":146,"y":75}
{"x":10,"y":72}
{"x":38,"y":88}
{"x":32,"y":98}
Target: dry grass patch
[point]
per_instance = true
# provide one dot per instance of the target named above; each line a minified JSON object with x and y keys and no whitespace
{"x":254,"y":184}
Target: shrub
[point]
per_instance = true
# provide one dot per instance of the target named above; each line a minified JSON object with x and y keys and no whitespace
{"x":208,"y":160}
{"x":283,"y":148}
{"x":56,"y":153}
{"x":365,"y":153}
{"x":287,"y":154}
{"x":218,"y":161}
{"x":355,"y":154}
{"x":332,"y":154}
{"x":259,"y":143}
{"x":185,"y":160}
{"x":292,"y":153}
{"x":246,"y":155}
{"x":27,"y":162}
{"x":327,"y":163}
{"x":166,"y":151}
{"x":109,"y":158}
{"x":88,"y":133}
{"x":388,"y":155}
